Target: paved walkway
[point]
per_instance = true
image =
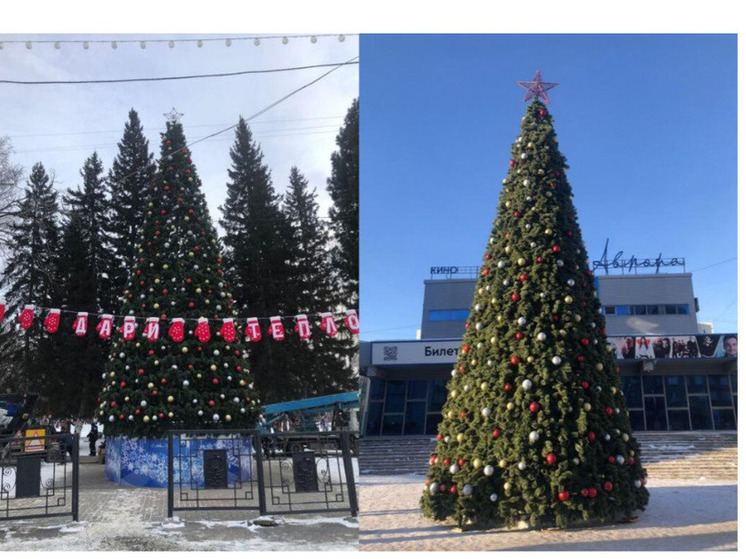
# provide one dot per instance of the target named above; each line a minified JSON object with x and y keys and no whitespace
{"x":113,"y":517}
{"x":682,"y":515}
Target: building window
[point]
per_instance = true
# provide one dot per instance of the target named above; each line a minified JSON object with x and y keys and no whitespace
{"x":447,"y":315}
{"x":610,"y":309}
{"x":682,"y":309}
{"x":622,"y":310}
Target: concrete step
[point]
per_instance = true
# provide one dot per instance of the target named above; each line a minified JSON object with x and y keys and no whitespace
{"x":666,"y":455}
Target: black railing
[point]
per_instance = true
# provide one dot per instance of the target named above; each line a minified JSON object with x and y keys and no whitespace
{"x":281,"y":473}
{"x":37,"y":478}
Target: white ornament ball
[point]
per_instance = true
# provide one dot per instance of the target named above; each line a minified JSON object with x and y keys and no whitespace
{"x":501,"y":264}
{"x":541,"y":336}
{"x":447,"y":439}
{"x":607,"y":437}
{"x":489,"y":470}
{"x":571,"y":282}
{"x":576,"y":461}
{"x":522,"y":321}
{"x":533,"y":436}
{"x":493,"y":497}
{"x":521,"y":465}
{"x":619,"y":459}
{"x":527,"y":384}
{"x":486,"y":412}
{"x":556,"y":360}
{"x":638,"y":484}
{"x":111,"y":418}
{"x":454,"y":469}
{"x":560,"y":263}
{"x":468,"y":489}
{"x":433,"y":488}
{"x":216,"y":417}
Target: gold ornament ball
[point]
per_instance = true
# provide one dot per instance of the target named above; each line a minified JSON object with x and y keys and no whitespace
{"x":548,"y":231}
{"x":510,"y":406}
{"x":145,"y":419}
{"x":170,"y":399}
{"x":198,"y":290}
{"x":521,"y":261}
{"x":156,"y":306}
{"x":460,"y":437}
{"x":483,"y":387}
{"x":185,"y":349}
{"x":199,"y":375}
{"x":228,"y":418}
{"x":477,"y":463}
{"x":112,"y":374}
{"x":150,"y":385}
{"x":156,"y":362}
{"x":213,"y":368}
{"x":587,"y":407}
{"x":568,"y":299}
{"x":454,"y":393}
{"x":450,"y":415}
{"x":170,"y":414}
{"x":503,"y":463}
{"x":157,"y":280}
{"x":165,"y":266}
{"x":473,"y":362}
{"x":530,"y":359}
{"x":599,"y":367}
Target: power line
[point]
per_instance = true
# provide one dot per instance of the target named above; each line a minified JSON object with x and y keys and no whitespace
{"x":716,"y":264}
{"x":172,"y":78}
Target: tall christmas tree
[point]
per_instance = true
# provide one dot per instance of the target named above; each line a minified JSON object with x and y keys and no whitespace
{"x":186,"y":367}
{"x":535,"y":427}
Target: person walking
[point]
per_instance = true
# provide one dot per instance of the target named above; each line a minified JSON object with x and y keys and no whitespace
{"x":92,"y":438}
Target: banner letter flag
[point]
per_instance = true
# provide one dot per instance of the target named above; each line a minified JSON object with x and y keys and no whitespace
{"x":302,"y":326}
{"x":104,"y":326}
{"x":52,"y":322}
{"x":152,"y":328}
{"x":128,"y":328}
{"x":352,"y":322}
{"x":228,"y":330}
{"x":176,"y":330}
{"x":276,"y":328}
{"x":26,"y":317}
{"x":328,"y":325}
{"x":253,"y":332}
{"x":203,"y":330}
{"x":2,"y":309}
{"x":81,"y":324}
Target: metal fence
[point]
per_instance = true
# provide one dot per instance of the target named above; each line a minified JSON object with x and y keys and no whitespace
{"x":37,"y":478}
{"x":282,"y":473}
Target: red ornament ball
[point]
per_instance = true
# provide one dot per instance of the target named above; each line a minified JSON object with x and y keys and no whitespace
{"x":556,"y":248}
{"x":523,"y":277}
{"x":495,"y":433}
{"x":514,"y":361}
{"x":581,"y":358}
{"x":609,"y":411}
{"x":551,"y":459}
{"x":113,"y":404}
{"x":211,"y":403}
{"x":611,"y":460}
{"x":542,"y":113}
{"x":592,"y":492}
{"x":461,"y":461}
{"x":518,"y":336}
{"x":454,"y":489}
{"x":511,"y":163}
{"x":539,"y":259}
{"x":533,"y":407}
{"x":591,"y":436}
{"x":439,"y":437}
{"x":563,"y":495}
{"x":584,"y":492}
{"x":515,"y":297}
{"x":507,"y":388}
{"x":516,"y":213}
{"x":608,"y":486}
{"x":585,"y":341}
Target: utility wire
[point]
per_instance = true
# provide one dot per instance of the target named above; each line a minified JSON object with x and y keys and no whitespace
{"x":171,"y":78}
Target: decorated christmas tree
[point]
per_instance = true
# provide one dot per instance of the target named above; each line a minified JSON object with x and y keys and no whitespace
{"x":535,"y":428}
{"x":178,"y":359}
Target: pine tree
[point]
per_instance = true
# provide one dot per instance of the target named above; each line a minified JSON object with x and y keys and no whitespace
{"x":257,"y":254}
{"x":535,"y":427}
{"x":93,"y":209}
{"x":343,"y":187}
{"x":30,"y":276}
{"x":79,"y":359}
{"x":131,"y":174}
{"x":151,"y":386}
{"x":320,"y":365}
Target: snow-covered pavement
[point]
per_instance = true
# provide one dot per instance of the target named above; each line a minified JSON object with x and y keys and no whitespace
{"x":682,"y":515}
{"x":114,"y":518}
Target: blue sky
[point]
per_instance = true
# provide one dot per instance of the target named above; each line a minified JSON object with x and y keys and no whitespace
{"x":648,"y":124}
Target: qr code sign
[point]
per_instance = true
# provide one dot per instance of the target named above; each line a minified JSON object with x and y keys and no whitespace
{"x":389,"y":353}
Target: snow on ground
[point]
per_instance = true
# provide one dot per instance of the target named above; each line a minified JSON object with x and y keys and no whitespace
{"x":682,"y":515}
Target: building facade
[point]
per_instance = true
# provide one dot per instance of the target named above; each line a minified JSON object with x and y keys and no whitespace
{"x":673,"y":377}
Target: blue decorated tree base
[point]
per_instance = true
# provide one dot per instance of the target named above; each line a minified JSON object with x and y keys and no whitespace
{"x":144,"y":462}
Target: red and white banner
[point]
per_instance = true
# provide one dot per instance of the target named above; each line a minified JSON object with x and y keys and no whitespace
{"x":176,"y":330}
{"x":302,"y":327}
{"x":105,"y":326}
{"x":52,"y":322}
{"x":26,"y":318}
{"x":153,"y":329}
{"x":228,"y":330}
{"x":128,"y":328}
{"x":328,"y":324}
{"x":203,"y":330}
{"x":276,"y":328}
{"x":253,"y":331}
{"x":80,"y":326}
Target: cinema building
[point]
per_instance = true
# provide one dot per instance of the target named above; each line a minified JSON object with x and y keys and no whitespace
{"x":673,"y":378}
